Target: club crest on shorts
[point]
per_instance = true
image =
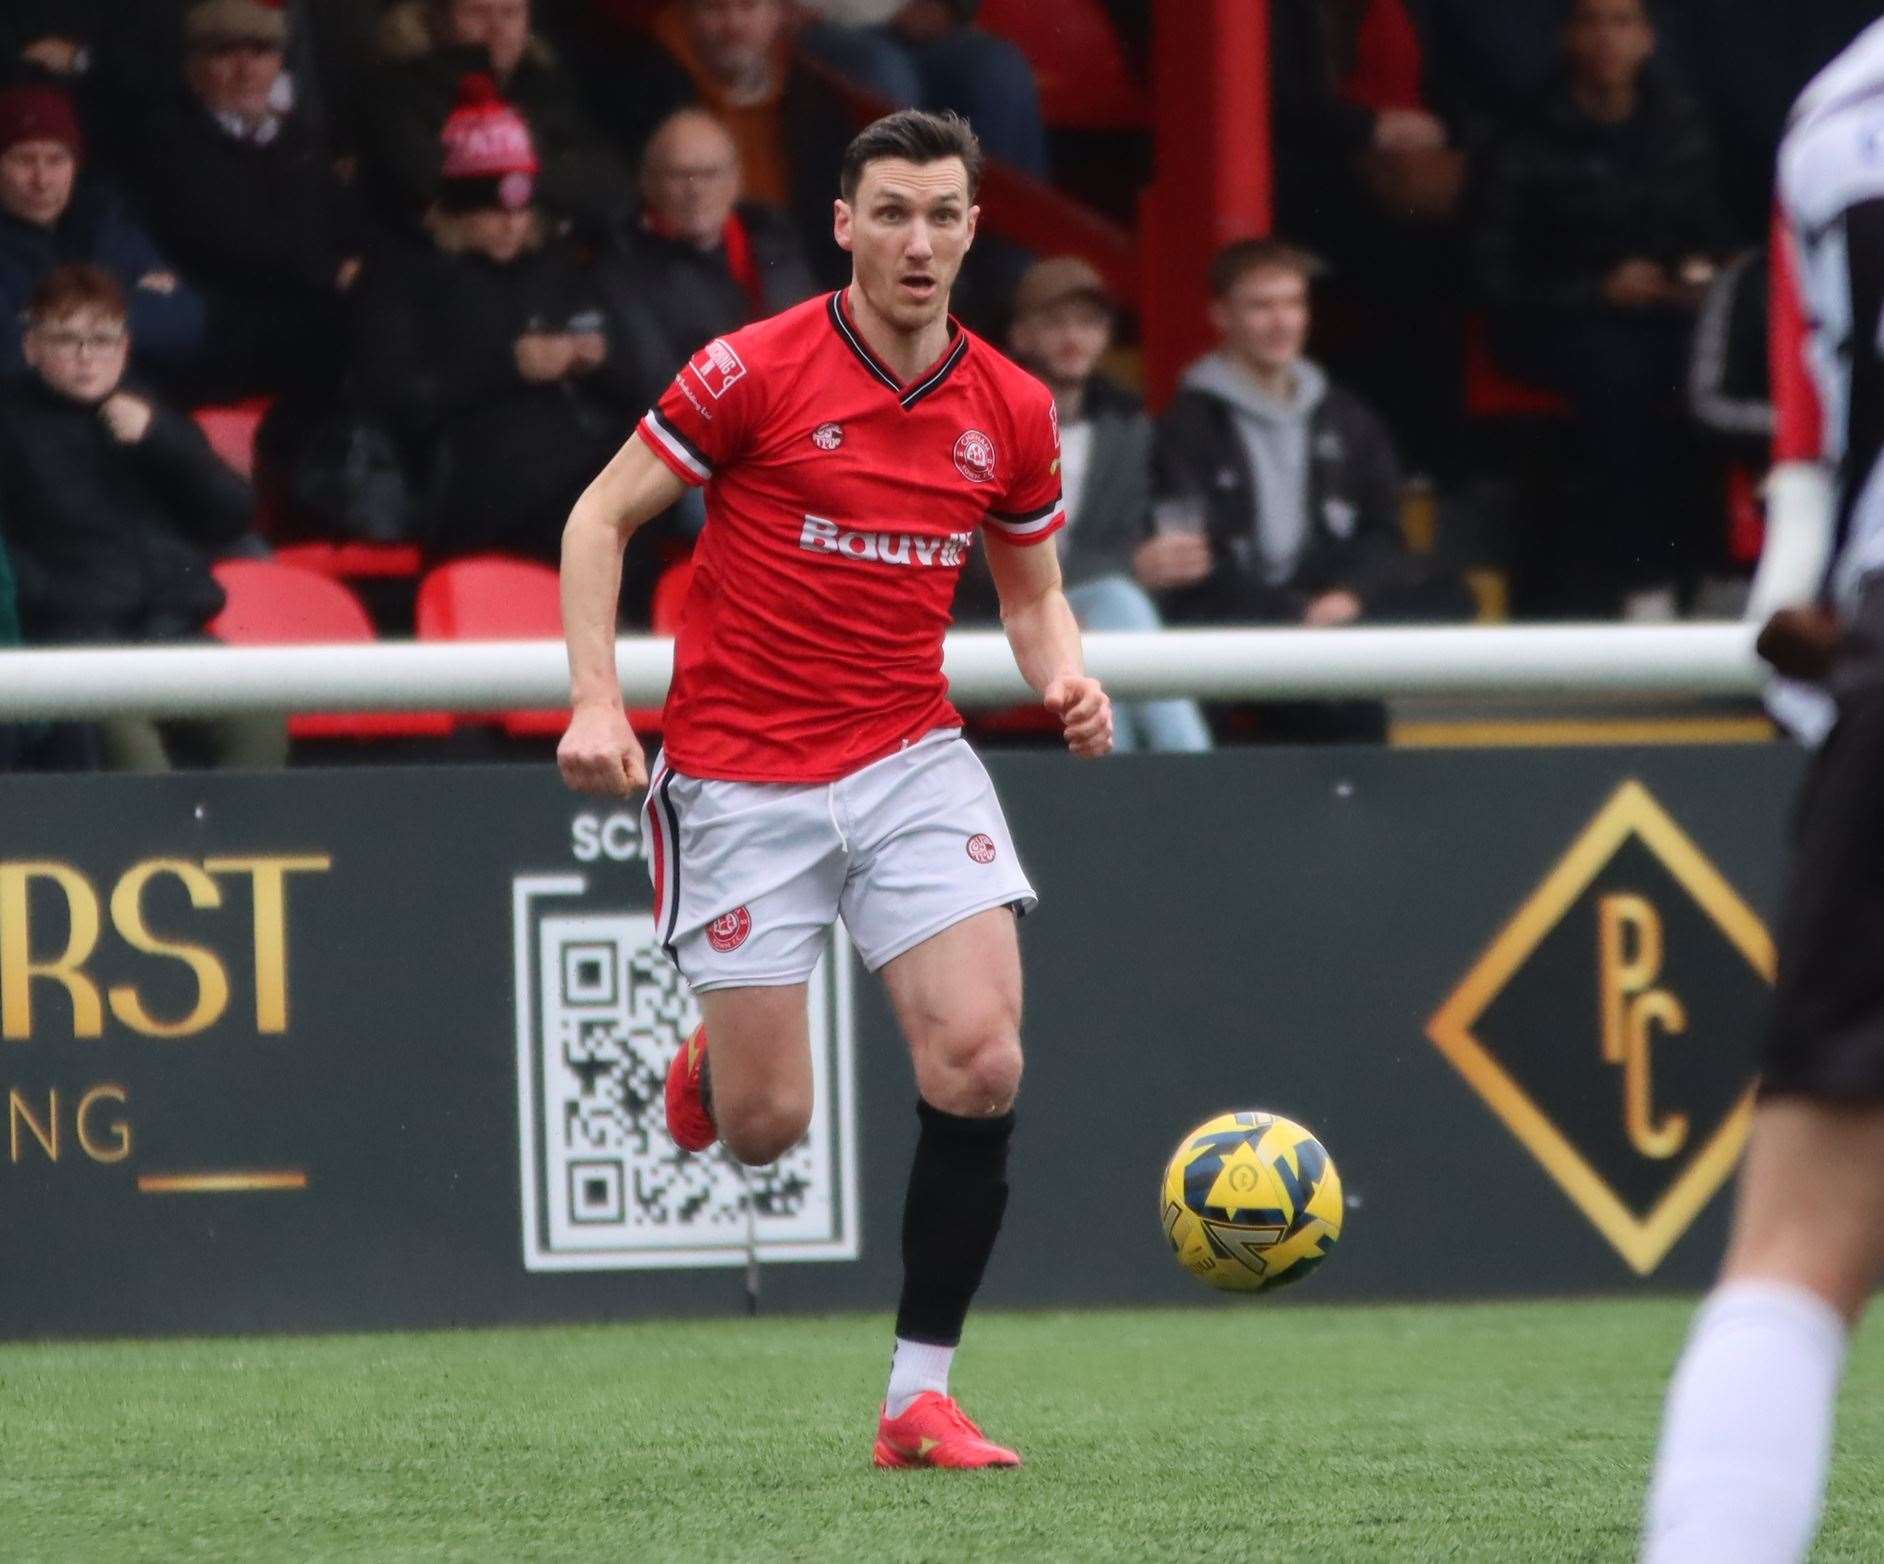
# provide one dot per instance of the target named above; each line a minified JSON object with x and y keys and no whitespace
{"x":981,"y":847}
{"x":828,"y":437}
{"x":729,"y":930}
{"x":974,"y":456}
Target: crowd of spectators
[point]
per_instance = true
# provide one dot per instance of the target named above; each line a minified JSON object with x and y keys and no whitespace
{"x":457,"y":245}
{"x":1578,"y":191}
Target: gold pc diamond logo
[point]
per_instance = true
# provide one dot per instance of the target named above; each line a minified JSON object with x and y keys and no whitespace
{"x":1606,"y":1025}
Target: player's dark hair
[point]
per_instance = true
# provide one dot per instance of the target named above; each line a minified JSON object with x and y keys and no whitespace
{"x":1237,"y":260}
{"x":916,"y":136}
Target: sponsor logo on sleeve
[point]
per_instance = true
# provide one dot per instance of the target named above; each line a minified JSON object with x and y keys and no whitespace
{"x":717,"y":367}
{"x":693,"y":397}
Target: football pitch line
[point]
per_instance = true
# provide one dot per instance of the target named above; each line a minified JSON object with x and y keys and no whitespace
{"x":1249,"y":1430}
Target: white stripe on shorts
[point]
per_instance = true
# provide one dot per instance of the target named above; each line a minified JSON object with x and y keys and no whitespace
{"x":664,"y":848}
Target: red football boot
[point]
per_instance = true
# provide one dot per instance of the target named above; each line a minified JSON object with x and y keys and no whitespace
{"x":689,"y":1113}
{"x":935,"y":1431}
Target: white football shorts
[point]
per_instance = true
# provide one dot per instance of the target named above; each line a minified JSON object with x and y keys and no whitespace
{"x":748,"y":876}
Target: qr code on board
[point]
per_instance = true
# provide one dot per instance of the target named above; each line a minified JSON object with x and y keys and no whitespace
{"x":608,"y":1013}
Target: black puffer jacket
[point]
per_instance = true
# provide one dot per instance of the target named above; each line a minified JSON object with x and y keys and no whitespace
{"x":1567,"y":199}
{"x":437,"y":333}
{"x":112,"y":541}
{"x":500,"y":458}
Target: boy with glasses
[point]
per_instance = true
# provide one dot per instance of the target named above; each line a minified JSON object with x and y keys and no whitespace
{"x":114,"y":508}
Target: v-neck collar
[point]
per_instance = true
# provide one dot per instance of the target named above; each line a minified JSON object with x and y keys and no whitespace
{"x":908,"y":395}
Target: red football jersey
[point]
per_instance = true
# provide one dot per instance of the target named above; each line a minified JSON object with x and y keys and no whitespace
{"x":841,"y":505}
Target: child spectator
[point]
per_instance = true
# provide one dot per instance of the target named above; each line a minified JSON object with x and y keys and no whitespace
{"x":114,"y":508}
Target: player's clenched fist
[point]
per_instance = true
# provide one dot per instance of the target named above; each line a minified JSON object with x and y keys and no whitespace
{"x":1085,"y":712}
{"x":600,"y":753}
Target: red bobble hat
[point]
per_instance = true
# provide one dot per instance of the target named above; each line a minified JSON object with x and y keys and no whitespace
{"x":39,"y":111}
{"x":489,"y":158}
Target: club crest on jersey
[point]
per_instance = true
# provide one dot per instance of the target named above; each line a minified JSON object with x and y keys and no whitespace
{"x":981,"y":847}
{"x":729,"y":930}
{"x":828,"y":437}
{"x":974,"y":456}
{"x":717,"y":367}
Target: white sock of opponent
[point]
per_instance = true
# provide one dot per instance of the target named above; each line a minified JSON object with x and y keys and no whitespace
{"x":916,"y":1366}
{"x":1747,"y":1433}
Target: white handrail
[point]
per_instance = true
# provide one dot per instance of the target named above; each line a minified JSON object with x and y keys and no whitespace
{"x":1555,"y":660}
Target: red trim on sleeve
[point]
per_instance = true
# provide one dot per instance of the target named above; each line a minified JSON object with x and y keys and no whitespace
{"x":651,"y":437}
{"x":1798,"y":418}
{"x":1027,"y":539}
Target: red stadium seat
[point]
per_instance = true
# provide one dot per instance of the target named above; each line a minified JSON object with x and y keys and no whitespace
{"x":1746,"y":521}
{"x":272,"y":604}
{"x":1085,"y":80}
{"x":231,"y":431}
{"x":492,"y":597}
{"x":353,"y":561}
{"x":1492,"y":393}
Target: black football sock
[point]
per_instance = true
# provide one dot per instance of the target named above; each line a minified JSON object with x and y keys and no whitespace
{"x":951,"y":1216}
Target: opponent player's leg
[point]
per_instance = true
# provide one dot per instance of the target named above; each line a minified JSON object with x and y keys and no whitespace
{"x":957,"y":997}
{"x":1747,"y":1433}
{"x":1823,"y":1161}
{"x":759,"y":1089}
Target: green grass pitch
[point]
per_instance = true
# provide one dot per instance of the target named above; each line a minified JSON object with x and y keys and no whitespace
{"x":1497,"y":1432}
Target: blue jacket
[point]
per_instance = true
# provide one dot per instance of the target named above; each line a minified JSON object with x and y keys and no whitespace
{"x":167,"y":329}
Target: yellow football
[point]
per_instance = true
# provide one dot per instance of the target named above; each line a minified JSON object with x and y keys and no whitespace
{"x":1251,"y":1200}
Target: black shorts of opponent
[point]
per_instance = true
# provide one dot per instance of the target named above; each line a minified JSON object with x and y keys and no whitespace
{"x":1827,"y":1033}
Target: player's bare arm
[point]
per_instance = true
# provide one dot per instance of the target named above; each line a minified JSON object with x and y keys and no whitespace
{"x":1045,"y":636}
{"x":600,"y":753}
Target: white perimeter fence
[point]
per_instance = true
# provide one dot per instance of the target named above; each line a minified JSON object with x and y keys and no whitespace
{"x":1561,"y":661}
